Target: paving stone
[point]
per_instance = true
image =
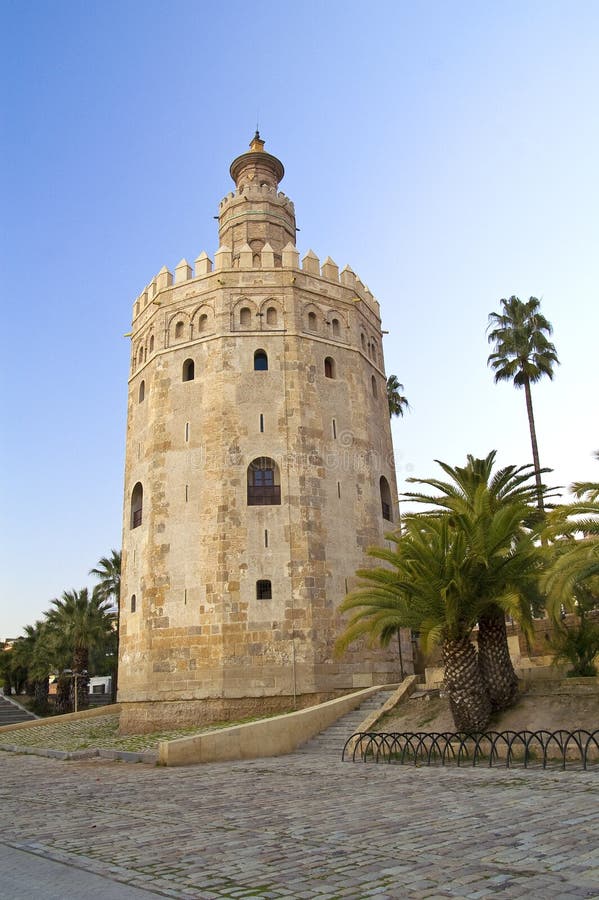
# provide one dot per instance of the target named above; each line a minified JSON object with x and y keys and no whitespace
{"x":307,"y":826}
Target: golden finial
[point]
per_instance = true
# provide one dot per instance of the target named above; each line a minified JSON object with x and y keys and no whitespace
{"x":257,"y":144}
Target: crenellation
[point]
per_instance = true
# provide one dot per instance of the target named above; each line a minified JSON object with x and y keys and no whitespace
{"x":330,"y":270}
{"x":311,"y":263}
{"x":182,"y":271}
{"x":203,"y":264}
{"x":164,"y":279}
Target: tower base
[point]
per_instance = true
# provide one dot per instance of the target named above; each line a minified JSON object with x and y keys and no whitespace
{"x":168,"y":715}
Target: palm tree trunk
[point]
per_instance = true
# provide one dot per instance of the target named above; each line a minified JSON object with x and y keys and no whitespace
{"x":80,"y":663}
{"x":470,"y":705}
{"x":494,"y":659}
{"x":41,"y":695}
{"x":63,"y":694}
{"x":535,"y":448}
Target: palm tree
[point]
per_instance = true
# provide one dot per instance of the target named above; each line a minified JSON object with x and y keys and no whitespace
{"x":80,"y":623}
{"x":425,"y":586}
{"x":397,"y":402}
{"x":108,"y":573}
{"x":474,"y":500}
{"x":523,"y":354}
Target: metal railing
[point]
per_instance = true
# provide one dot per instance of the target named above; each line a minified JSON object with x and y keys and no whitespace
{"x":492,"y":748}
{"x":264,"y":494}
{"x":136,"y":517}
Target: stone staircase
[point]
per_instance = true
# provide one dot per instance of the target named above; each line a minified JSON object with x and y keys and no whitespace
{"x":331,"y":741}
{"x":11,"y":713}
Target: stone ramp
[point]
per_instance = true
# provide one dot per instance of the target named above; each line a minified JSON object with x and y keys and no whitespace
{"x":12,"y":713}
{"x":331,"y":741}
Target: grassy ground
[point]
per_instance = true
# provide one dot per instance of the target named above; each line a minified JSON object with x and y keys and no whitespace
{"x":101,"y":733}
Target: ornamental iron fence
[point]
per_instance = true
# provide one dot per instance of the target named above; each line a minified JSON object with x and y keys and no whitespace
{"x":492,"y":748}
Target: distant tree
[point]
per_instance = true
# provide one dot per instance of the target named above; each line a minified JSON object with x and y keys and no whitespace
{"x":398,"y":403}
{"x":523,"y":355}
{"x":81,"y":622}
{"x":108,"y":573}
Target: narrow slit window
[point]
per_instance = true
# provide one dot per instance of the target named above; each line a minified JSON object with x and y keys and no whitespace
{"x":339,"y":489}
{"x":186,"y":493}
{"x":133,"y":602}
{"x":261,"y":421}
{"x":142,"y":391}
{"x":266,"y":537}
{"x":336,"y":328}
{"x":186,"y":431}
{"x":375,"y":392}
{"x":334,"y":430}
{"x":137,"y":499}
{"x":386,"y":505}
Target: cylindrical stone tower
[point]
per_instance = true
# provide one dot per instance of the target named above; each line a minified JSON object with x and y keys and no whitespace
{"x":259,"y":468}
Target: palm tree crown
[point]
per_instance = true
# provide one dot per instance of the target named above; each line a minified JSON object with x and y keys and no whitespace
{"x":108,"y":573}
{"x":398,"y":403}
{"x":523,"y":354}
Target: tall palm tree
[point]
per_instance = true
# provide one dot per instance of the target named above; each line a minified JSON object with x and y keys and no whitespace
{"x":108,"y":573}
{"x":523,"y":355}
{"x":473,"y":500}
{"x":81,"y":622}
{"x":398,"y":403}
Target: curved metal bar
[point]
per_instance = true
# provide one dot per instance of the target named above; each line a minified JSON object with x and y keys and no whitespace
{"x":430,"y":748}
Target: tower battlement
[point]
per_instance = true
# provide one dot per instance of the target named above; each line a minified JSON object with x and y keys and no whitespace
{"x":205,"y":269}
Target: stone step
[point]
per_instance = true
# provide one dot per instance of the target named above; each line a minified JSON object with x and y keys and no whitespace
{"x":331,"y":741}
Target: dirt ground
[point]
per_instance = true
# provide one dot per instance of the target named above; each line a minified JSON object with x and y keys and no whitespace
{"x":547,"y":710}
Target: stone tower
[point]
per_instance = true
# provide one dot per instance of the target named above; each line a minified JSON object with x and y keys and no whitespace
{"x":259,"y":468}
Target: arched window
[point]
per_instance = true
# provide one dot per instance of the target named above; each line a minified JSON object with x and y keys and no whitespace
{"x":151,"y":343}
{"x":263,"y":482}
{"x":312,"y":321}
{"x":260,"y":361}
{"x":386,"y":506}
{"x":271,"y":316}
{"x":179,"y":329}
{"x":137,"y":501}
{"x":363,"y":339}
{"x":133,"y":603}
{"x":245,"y":316}
{"x":188,"y":370}
{"x":375,"y":391}
{"x":202,"y":324}
{"x":263,"y":589}
{"x":329,"y":367}
{"x":336,"y":328}
{"x":142,"y":391}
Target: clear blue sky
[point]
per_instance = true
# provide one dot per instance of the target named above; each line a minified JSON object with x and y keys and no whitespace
{"x":446,"y":150}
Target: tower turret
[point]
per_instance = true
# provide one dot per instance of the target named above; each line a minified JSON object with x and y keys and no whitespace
{"x":256,"y":214}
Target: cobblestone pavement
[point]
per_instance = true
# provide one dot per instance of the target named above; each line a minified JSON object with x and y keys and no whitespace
{"x":302,"y":827}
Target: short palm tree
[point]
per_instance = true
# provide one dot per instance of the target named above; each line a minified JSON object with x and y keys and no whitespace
{"x":425,"y":585}
{"x":80,"y":622}
{"x":398,"y":403}
{"x":574,"y":555}
{"x":475,"y":499}
{"x":523,"y":355}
